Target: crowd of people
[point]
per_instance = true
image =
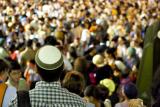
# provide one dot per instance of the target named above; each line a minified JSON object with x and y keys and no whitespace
{"x":101,"y":42}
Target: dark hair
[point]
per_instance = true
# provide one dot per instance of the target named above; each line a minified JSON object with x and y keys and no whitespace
{"x":93,"y":91}
{"x":74,"y":82}
{"x":72,"y":51}
{"x":32,"y":61}
{"x":38,"y":44}
{"x":12,"y":47}
{"x":80,"y":65}
{"x":130,"y":90}
{"x":3,"y":66}
{"x":15,"y":65}
{"x":29,"y":43}
{"x":103,"y":91}
{"x":51,"y":40}
{"x":50,"y":75}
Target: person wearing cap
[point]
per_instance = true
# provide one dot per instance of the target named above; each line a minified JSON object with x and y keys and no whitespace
{"x":48,"y":92}
{"x":130,"y":94}
{"x":103,"y":70}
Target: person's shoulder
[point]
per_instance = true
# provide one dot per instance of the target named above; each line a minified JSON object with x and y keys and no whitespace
{"x":11,"y":88}
{"x":10,"y":94}
{"x":118,"y":105}
{"x":121,"y":104}
{"x":74,"y":98}
{"x":11,"y":91}
{"x":73,"y":95}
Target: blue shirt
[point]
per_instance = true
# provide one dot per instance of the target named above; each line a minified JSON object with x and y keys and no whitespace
{"x":9,"y":94}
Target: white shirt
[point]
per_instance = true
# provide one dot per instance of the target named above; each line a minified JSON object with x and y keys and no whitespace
{"x":85,"y":35}
{"x":9,"y":95}
{"x":67,"y":64}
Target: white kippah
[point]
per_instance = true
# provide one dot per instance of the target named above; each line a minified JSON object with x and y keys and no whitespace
{"x":49,"y":58}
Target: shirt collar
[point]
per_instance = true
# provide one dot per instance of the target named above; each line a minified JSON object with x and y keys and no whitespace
{"x":48,"y":84}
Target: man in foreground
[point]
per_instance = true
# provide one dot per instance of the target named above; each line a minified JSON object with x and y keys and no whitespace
{"x":48,"y":92}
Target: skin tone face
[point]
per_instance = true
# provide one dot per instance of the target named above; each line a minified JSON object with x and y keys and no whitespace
{"x":15,"y":76}
{"x":4,"y":76}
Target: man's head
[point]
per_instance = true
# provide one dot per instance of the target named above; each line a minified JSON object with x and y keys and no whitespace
{"x":15,"y":72}
{"x":49,"y":61}
{"x":130,"y":91}
{"x":4,"y":68}
{"x":29,"y":43}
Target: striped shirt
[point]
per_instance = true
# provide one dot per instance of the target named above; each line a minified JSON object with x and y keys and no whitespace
{"x":52,"y":95}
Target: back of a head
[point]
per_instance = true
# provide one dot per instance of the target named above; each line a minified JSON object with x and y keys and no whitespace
{"x":15,"y":65}
{"x":130,"y":91}
{"x":131,"y":51}
{"x":51,"y":40}
{"x":80,"y":64}
{"x":3,"y":66}
{"x":74,"y":82}
{"x":29,"y":43}
{"x":49,"y":61}
{"x":92,"y":91}
{"x":104,"y":92}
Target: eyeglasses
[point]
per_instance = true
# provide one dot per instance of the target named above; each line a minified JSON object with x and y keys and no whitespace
{"x":15,"y":72}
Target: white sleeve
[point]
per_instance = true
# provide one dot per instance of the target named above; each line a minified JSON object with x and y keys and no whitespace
{"x":107,"y":103}
{"x":85,"y":35}
{"x":9,"y":95}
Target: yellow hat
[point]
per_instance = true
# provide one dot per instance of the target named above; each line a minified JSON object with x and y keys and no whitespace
{"x":98,"y":60}
{"x":109,"y":84}
{"x":59,"y":35}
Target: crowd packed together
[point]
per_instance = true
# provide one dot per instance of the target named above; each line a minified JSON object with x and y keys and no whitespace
{"x":101,"y":42}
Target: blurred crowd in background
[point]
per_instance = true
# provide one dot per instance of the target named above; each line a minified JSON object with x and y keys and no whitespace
{"x":101,"y":42}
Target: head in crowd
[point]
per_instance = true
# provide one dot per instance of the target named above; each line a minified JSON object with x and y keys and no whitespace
{"x":92,"y":95}
{"x":80,"y":64}
{"x":130,"y":91}
{"x":103,"y":91}
{"x":98,"y":60}
{"x":131,"y":52}
{"x":15,"y":72}
{"x":51,"y":40}
{"x":15,"y":68}
{"x":74,"y":82}
{"x":92,"y":91}
{"x":109,"y":83}
{"x":29,"y":43}
{"x":49,"y":61}
{"x":59,"y":35}
{"x":4,"y":69}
